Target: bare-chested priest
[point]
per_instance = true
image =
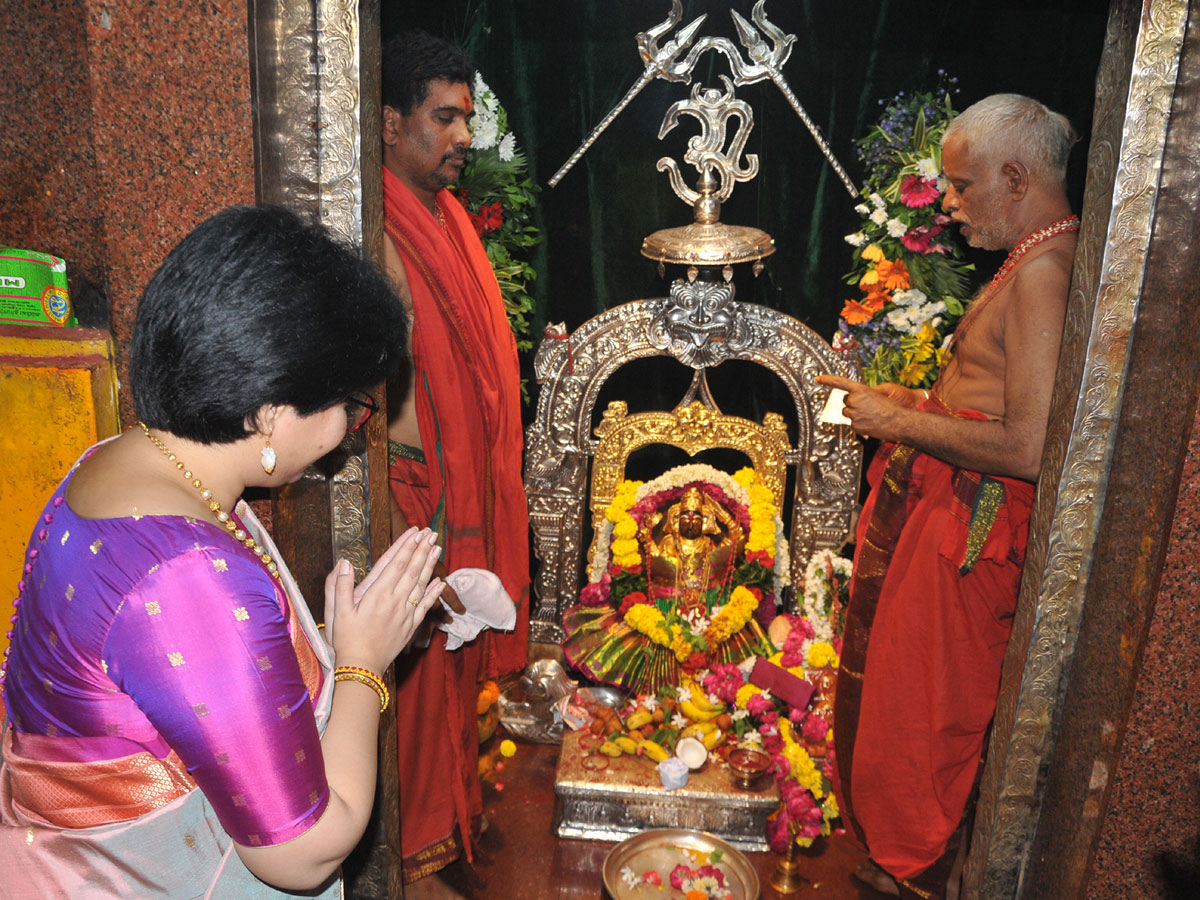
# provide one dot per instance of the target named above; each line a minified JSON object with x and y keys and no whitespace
{"x":941,"y":540}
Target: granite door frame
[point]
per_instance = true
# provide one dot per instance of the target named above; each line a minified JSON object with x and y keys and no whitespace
{"x":1045,"y":787}
{"x":315,"y":92}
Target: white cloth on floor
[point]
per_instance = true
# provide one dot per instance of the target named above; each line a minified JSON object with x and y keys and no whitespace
{"x":487,"y":603}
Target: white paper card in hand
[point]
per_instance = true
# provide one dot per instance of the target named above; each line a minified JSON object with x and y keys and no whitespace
{"x":832,"y":413}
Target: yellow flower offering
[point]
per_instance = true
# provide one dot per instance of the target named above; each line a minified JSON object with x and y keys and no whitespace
{"x":508,"y":749}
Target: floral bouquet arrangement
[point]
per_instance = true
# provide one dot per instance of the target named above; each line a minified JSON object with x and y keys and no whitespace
{"x":618,"y":577}
{"x":907,"y":264}
{"x":497,"y":193}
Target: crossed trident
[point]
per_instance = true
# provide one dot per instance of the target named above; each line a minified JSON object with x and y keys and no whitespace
{"x":766,"y":62}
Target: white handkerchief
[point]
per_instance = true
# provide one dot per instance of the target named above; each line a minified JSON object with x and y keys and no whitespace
{"x":488,"y":606}
{"x":832,"y":413}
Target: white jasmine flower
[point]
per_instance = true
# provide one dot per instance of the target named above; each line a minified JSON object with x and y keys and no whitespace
{"x":679,"y":721}
{"x":877,"y":201}
{"x":927,"y":168}
{"x":766,"y":695}
{"x":857,"y":239}
{"x":651,"y":703}
{"x":911,"y":297}
{"x":481,"y":87}
{"x":752,"y":739}
{"x":896,"y":228}
{"x":740,"y":714}
{"x":484,"y":132}
{"x":879,"y":216}
{"x":862,"y":209}
{"x":714,"y":700}
{"x":628,"y":876}
{"x":508,"y":146}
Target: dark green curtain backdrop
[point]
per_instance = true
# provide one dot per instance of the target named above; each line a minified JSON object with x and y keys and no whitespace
{"x":558,"y":68}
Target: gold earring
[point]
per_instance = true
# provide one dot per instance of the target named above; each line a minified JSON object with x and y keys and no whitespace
{"x":268,"y":457}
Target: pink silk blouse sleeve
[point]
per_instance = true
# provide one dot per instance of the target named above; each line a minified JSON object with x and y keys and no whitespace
{"x":202,"y":647}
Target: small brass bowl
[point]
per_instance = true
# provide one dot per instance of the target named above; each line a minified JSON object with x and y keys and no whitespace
{"x":748,"y":767}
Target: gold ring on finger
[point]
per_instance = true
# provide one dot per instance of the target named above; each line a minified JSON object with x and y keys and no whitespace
{"x":413,"y":601}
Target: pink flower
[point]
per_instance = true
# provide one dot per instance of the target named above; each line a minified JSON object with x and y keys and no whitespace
{"x":796,"y":715}
{"x":916,"y":192}
{"x":724,"y":681}
{"x":679,"y":873}
{"x":596,"y":594}
{"x":815,"y":728}
{"x":759,"y":705}
{"x":918,"y":239}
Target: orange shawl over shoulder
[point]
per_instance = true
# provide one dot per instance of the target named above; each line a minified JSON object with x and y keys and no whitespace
{"x":467,"y":385}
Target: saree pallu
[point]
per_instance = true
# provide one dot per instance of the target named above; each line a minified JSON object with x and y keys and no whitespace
{"x":937,"y":569}
{"x":136,"y":827}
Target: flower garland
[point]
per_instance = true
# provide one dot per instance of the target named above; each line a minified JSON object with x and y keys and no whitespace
{"x":906,"y":261}
{"x":616,"y":575}
{"x":826,"y":593}
{"x":766,"y":722}
{"x":498,"y":195}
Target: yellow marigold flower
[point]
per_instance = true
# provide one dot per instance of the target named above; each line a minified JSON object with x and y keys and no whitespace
{"x":626,"y":529}
{"x":628,"y":562}
{"x":872,"y":253}
{"x":761,"y":545}
{"x":745,"y":476}
{"x":821,"y":655}
{"x":625,"y":547}
{"x":760,"y":494}
{"x":776,"y":659}
{"x":830,"y":810}
{"x":745,"y":692}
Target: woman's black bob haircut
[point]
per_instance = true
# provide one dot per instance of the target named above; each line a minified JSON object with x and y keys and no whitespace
{"x":257,"y":307}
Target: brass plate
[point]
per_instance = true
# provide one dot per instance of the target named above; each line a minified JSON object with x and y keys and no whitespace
{"x":665,"y":848}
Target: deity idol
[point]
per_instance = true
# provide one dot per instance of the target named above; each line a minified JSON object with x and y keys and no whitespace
{"x":690,"y":552}
{"x":680,"y":603}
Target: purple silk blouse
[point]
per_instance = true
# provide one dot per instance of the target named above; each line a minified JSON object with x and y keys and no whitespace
{"x":159,"y":633}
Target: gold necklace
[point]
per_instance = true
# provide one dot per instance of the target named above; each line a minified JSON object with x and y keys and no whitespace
{"x":223,"y":517}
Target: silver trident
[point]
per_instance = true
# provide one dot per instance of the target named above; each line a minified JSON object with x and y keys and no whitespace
{"x":658,"y":65}
{"x":766,"y":62}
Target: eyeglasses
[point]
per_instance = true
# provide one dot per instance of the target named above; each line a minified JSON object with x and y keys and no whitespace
{"x":360,"y":406}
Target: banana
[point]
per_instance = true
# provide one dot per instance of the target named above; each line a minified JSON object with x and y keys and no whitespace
{"x":608,"y":748}
{"x":713,"y":738}
{"x":695,"y":713}
{"x":627,"y":745}
{"x":638,"y":719}
{"x":698,"y":729}
{"x":654,"y":751}
{"x":701,"y":701}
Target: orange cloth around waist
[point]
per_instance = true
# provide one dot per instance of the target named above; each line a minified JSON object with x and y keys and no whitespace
{"x":84,"y":794}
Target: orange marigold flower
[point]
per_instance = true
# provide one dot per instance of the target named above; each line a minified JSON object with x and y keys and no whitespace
{"x":893,"y":274}
{"x":875,"y":300}
{"x":856,"y":313}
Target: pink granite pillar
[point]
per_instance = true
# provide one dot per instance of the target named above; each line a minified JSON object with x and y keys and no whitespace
{"x":1153,"y":819}
{"x":125,"y":124}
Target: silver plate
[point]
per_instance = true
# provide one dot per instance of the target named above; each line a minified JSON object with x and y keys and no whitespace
{"x":662,"y":850}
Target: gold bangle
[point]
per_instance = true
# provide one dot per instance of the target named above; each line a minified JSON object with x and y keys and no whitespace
{"x":367,"y":677}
